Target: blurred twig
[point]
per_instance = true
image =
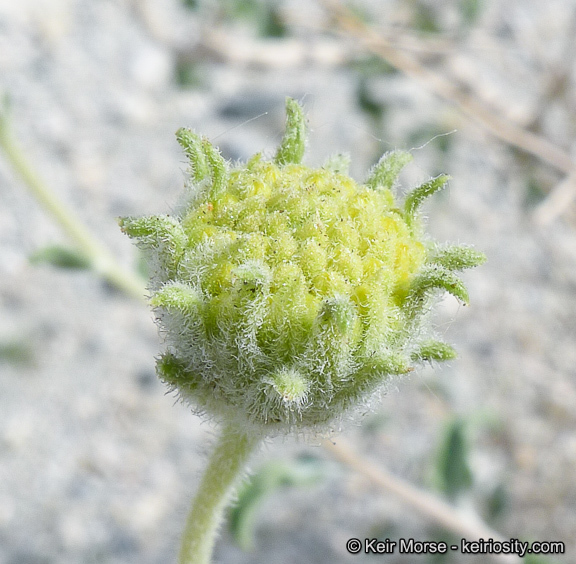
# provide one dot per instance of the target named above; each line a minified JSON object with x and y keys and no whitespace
{"x":462,"y":524}
{"x":557,"y":202}
{"x":350,"y":26}
{"x":98,"y":257}
{"x":274,"y":53}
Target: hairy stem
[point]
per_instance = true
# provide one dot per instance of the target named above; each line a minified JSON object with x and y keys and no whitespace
{"x":224,"y":470}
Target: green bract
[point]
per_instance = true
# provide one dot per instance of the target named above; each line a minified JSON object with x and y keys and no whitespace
{"x":288,"y":294}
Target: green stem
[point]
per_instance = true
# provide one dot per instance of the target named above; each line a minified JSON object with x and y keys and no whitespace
{"x":100,"y":259}
{"x":224,"y":470}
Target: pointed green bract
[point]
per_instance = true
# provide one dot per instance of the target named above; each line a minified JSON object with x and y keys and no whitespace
{"x":217,"y":167}
{"x":289,"y":385}
{"x":293,"y":144}
{"x":287,"y":294}
{"x":176,"y":296}
{"x":385,"y":172}
{"x":436,"y":277}
{"x":434,"y":350}
{"x":456,"y":257}
{"x":154,"y":230}
{"x":252,"y":276}
{"x":415,"y":198}
{"x":192,"y":145}
{"x":161,"y":237}
{"x":339,"y":312}
{"x":389,"y":362}
{"x":173,"y":371}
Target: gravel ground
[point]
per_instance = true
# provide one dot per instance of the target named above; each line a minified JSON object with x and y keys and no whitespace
{"x":97,"y":463}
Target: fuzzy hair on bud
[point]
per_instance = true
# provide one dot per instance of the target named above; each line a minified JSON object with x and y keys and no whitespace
{"x":289,"y":294}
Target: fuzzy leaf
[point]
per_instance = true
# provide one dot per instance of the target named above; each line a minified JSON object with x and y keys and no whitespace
{"x":385,"y":172}
{"x":293,"y":144}
{"x":162,"y":235}
{"x":252,"y":276}
{"x":453,"y":469}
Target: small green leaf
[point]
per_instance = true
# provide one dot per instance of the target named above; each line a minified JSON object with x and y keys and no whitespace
{"x":387,"y":363}
{"x":293,"y":144}
{"x":189,"y":73}
{"x":535,"y":192}
{"x":452,"y":467}
{"x":368,"y":103}
{"x":251,"y":277}
{"x":385,"y":172}
{"x":369,"y":66}
{"x":272,"y":23}
{"x":264,"y":483}
{"x":61,"y":257}
{"x":191,"y":4}
{"x":18,"y":353}
{"x":497,"y":503}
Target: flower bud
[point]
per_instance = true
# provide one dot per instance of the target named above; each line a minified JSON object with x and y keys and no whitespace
{"x":289,"y":294}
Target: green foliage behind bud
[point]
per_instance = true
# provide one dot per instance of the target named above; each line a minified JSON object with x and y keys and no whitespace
{"x":289,"y":294}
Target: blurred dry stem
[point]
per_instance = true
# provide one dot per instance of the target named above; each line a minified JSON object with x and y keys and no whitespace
{"x":462,"y":524}
{"x":557,"y":202}
{"x":351,"y":26}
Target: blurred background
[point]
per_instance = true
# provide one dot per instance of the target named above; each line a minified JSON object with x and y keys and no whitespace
{"x":97,"y":463}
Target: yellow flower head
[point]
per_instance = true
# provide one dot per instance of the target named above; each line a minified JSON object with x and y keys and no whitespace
{"x":288,"y":294}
